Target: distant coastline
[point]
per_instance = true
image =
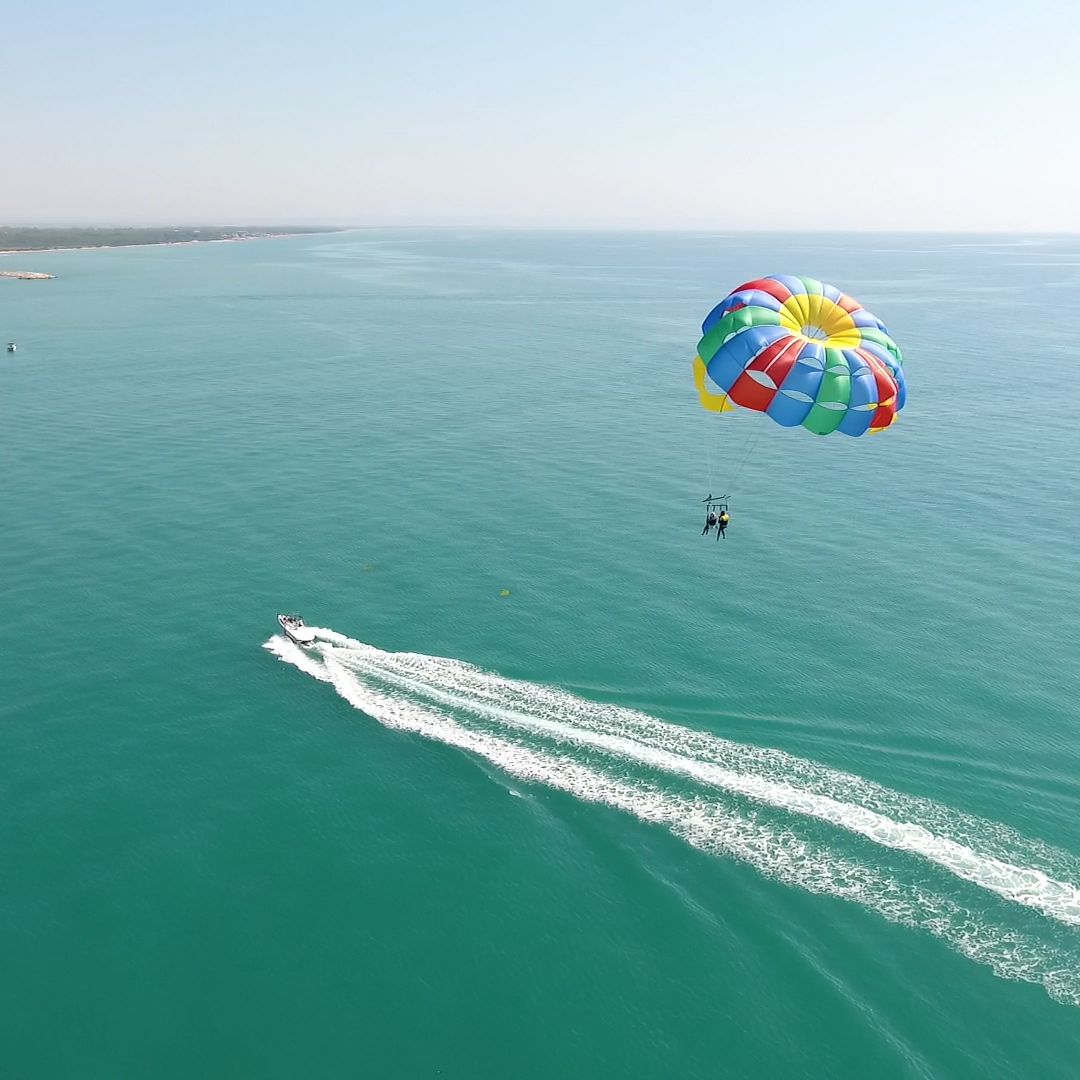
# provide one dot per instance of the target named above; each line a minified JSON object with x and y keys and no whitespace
{"x":18,"y":240}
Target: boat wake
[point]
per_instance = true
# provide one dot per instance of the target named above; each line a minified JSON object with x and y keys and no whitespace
{"x":997,"y":897}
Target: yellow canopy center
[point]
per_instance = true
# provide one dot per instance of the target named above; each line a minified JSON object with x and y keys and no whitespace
{"x":818,"y":319}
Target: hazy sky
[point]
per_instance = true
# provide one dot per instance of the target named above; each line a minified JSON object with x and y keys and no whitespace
{"x":772,"y":114}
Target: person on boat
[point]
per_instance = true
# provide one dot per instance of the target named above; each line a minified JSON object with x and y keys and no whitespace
{"x":722,"y":523}
{"x":710,"y":520}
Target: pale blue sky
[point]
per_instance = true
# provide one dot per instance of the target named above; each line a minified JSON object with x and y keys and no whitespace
{"x":829,"y":115}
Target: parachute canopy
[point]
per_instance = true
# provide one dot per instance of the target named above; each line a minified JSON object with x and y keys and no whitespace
{"x":802,"y":352}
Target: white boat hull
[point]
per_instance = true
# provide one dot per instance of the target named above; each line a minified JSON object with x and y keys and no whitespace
{"x":295,"y":630}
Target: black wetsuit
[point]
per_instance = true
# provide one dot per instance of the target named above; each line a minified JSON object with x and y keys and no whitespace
{"x":710,"y":521}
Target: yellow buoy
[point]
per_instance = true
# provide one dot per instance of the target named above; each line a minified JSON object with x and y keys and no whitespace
{"x":504,"y":592}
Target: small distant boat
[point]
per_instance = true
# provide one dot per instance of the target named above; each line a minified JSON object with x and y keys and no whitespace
{"x":11,"y":346}
{"x":295,"y":630}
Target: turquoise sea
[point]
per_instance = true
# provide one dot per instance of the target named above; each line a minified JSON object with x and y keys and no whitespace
{"x":800,"y":803}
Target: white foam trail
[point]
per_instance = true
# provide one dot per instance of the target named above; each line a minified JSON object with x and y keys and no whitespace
{"x":777,"y":853}
{"x":293,"y":654}
{"x":990,"y":838}
{"x":618,"y":732}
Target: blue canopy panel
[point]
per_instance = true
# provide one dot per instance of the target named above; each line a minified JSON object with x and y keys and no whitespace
{"x":793,"y":284}
{"x":831,"y":292}
{"x":863,"y":318}
{"x":863,"y":400}
{"x":746,"y":298}
{"x":795,"y":398}
{"x":732,"y":357}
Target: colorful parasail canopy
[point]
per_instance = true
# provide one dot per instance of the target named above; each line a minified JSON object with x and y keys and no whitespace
{"x":801,"y":352}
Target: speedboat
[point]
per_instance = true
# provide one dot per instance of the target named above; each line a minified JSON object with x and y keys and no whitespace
{"x":295,"y":630}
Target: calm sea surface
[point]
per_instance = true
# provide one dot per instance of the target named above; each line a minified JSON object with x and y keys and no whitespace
{"x":801,"y":803}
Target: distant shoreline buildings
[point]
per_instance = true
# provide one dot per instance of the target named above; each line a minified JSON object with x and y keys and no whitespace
{"x":16,"y":238}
